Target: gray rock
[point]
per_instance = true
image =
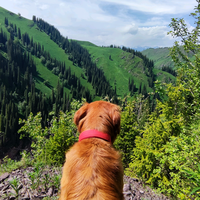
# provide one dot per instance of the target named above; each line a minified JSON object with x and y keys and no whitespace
{"x":4,"y":176}
{"x":50,"y":192}
{"x":127,"y":187}
{"x":1,"y":186}
{"x":5,"y":187}
{"x":133,"y":188}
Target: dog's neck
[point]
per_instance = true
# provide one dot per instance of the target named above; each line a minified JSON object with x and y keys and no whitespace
{"x":94,"y":134}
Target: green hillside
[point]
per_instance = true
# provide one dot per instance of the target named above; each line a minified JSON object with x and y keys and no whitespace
{"x":118,"y":66}
{"x":160,"y":56}
{"x":42,"y":71}
{"x":164,"y":77}
{"x":28,"y":26}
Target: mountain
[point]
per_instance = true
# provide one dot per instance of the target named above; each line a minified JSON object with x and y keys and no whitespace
{"x":119,"y":66}
{"x":160,"y":56}
{"x":40,"y":70}
{"x":141,"y":48}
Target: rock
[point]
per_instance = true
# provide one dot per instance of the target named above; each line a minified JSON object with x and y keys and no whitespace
{"x":23,"y":191}
{"x":5,"y":187}
{"x":133,"y":188}
{"x":127,"y":187}
{"x":26,"y":196}
{"x":20,"y":187}
{"x":4,"y":176}
{"x":1,"y":186}
{"x":50,"y":192}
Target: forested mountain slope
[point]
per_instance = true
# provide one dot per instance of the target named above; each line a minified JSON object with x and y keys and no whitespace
{"x":119,"y":66}
{"x":40,"y":70}
{"x":39,"y":36}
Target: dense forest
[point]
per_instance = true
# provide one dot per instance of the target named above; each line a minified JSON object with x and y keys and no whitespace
{"x":79,"y":56}
{"x":17,"y":73}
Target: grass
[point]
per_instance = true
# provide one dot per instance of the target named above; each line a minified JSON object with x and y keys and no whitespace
{"x":118,"y":66}
{"x":164,"y":76}
{"x":55,"y":51}
{"x":42,"y":176}
{"x":8,"y":165}
{"x":160,"y":56}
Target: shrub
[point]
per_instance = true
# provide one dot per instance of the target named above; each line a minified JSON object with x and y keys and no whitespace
{"x":63,"y":136}
{"x":49,"y":144}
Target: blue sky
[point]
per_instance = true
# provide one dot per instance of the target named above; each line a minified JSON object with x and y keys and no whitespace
{"x":130,"y":23}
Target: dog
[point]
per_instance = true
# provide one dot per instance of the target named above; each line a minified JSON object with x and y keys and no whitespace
{"x":93,"y":168}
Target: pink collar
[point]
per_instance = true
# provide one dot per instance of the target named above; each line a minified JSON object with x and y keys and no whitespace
{"x":94,"y":133}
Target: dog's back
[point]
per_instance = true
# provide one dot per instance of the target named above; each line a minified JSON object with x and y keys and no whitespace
{"x":93,"y":168}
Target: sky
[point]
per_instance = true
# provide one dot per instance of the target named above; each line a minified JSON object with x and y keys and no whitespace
{"x":130,"y":23}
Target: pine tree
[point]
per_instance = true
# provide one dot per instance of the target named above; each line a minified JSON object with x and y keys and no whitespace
{"x":34,"y":18}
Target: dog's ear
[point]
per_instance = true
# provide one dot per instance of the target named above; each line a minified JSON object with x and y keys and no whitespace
{"x":116,"y":118}
{"x":80,"y":114}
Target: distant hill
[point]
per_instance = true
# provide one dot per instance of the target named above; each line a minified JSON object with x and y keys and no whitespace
{"x":119,"y":66}
{"x":160,"y":56}
{"x":139,"y":48}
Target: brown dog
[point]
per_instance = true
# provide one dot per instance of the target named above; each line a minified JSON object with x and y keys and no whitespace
{"x":93,"y":168}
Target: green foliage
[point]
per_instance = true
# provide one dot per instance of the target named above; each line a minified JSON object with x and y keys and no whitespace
{"x":182,"y":155}
{"x":40,"y":177}
{"x":188,"y":69}
{"x":133,"y":117}
{"x":14,"y":183}
{"x":49,"y":144}
{"x":36,"y":175}
{"x":125,"y":142}
{"x":195,"y":177}
{"x":9,"y":165}
{"x":179,"y":155}
{"x":165,"y":121}
{"x":168,"y":148}
{"x":51,"y":198}
{"x":63,"y":136}
{"x":32,"y":128}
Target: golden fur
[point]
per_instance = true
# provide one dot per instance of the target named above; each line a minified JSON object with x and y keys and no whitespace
{"x":93,"y":168}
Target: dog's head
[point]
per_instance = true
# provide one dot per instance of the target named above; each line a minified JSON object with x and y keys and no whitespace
{"x":99,"y":115}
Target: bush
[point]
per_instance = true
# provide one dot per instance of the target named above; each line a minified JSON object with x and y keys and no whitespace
{"x":182,"y":155}
{"x":125,"y":142}
{"x":166,"y":121}
{"x":63,"y":136}
{"x":49,"y":144}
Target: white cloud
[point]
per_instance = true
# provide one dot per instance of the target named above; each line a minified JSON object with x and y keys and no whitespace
{"x":133,"y":30}
{"x":44,"y":7}
{"x":88,"y":20}
{"x":157,"y":6}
